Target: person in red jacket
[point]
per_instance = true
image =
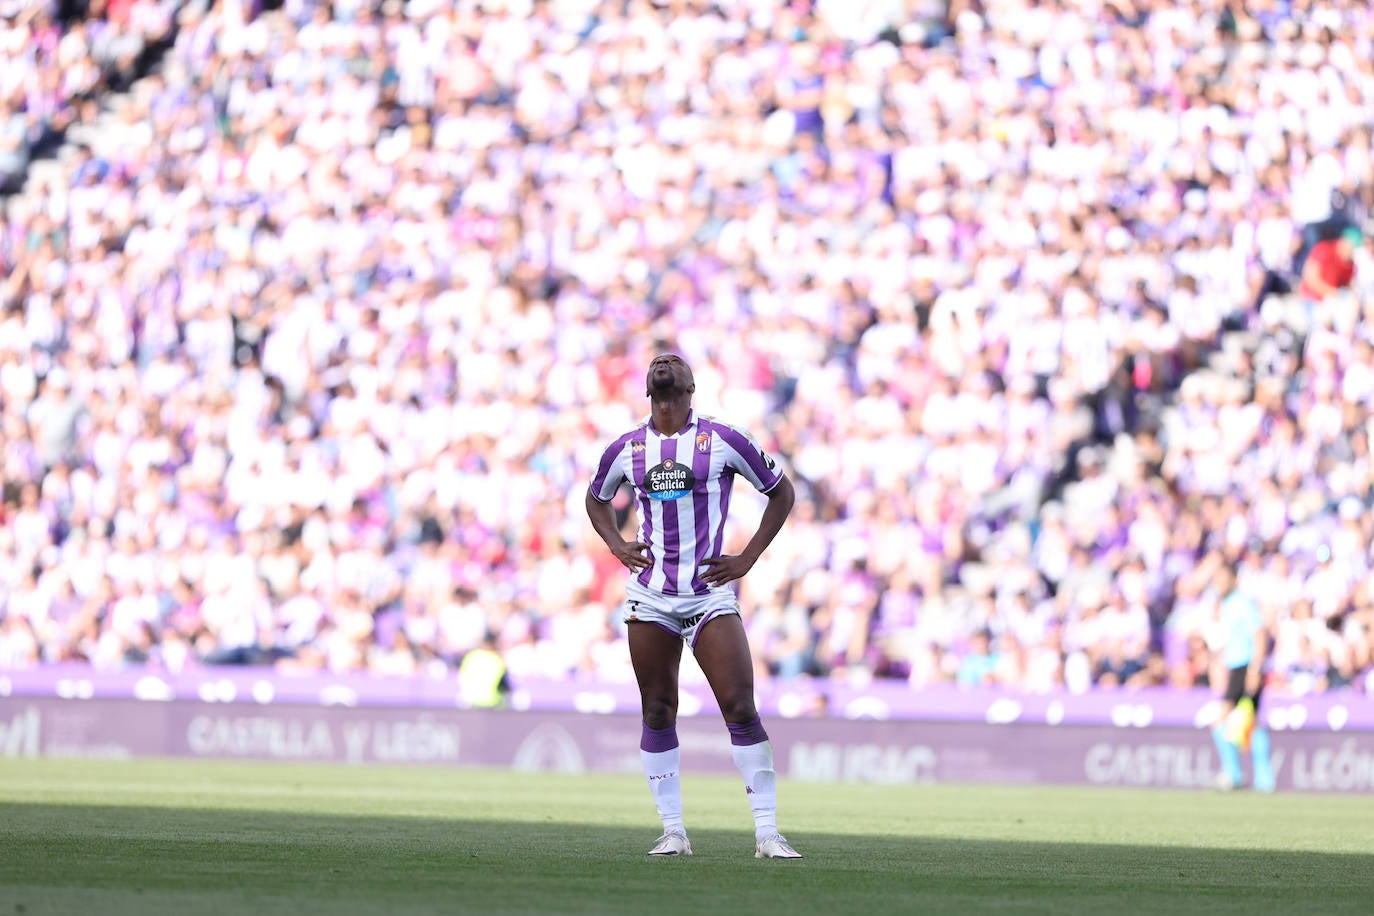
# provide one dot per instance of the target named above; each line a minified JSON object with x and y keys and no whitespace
{"x":1330,"y":266}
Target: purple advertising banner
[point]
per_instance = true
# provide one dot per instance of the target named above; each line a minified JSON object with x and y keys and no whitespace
{"x":817,"y":749}
{"x":1335,"y":711}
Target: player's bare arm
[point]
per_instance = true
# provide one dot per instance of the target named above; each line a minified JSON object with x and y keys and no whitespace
{"x":634,"y":555}
{"x":723,"y":569}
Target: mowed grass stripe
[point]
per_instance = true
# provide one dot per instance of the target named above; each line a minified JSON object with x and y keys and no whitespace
{"x":211,"y":837}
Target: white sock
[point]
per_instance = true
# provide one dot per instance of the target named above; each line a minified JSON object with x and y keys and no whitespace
{"x":755,"y":764}
{"x":661,"y":770}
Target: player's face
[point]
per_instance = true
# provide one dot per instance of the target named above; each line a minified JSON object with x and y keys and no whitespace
{"x":669,"y":373}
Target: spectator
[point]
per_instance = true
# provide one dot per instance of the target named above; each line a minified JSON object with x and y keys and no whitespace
{"x":482,"y":675}
{"x":979,"y":663}
{"x":1330,"y":266}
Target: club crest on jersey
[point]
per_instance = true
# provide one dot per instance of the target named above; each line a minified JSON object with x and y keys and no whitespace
{"x":704,"y":442}
{"x":669,"y":480}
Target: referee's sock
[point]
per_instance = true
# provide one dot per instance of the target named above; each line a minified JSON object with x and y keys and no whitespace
{"x":1260,"y":760}
{"x":1229,"y":755}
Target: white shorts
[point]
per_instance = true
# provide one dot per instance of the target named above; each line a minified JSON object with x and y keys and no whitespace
{"x":681,"y":615}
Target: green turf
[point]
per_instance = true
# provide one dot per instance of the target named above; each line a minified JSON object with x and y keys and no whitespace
{"x":92,"y":838}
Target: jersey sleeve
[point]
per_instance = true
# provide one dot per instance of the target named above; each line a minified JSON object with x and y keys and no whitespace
{"x":746,"y":457}
{"x":610,"y":473}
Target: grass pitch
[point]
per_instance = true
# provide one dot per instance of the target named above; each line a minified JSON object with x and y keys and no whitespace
{"x":151,"y":837}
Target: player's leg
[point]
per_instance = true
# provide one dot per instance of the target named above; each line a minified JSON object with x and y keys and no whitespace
{"x":722,"y":651}
{"x":656,"y":655}
{"x":1227,"y":752}
{"x":1261,"y":764}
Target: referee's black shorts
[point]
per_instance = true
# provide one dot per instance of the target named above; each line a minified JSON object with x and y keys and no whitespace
{"x":1235,"y":687}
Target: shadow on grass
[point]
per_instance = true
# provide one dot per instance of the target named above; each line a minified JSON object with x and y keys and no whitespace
{"x":112,"y":860}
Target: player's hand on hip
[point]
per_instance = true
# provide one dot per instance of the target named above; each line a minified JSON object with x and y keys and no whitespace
{"x":723,"y":569}
{"x":633,"y":554}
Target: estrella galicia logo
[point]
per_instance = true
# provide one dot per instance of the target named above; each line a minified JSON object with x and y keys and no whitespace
{"x":669,"y":480}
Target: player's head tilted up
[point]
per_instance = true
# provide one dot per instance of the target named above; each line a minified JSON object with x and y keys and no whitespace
{"x":670,"y":378}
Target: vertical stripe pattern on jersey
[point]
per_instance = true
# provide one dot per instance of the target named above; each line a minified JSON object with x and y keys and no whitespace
{"x":684,"y":531}
{"x":670,"y":515}
{"x":719,"y":507}
{"x":701,"y":506}
{"x":639,"y":451}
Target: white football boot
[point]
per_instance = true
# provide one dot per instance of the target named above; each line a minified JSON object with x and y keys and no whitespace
{"x":775,"y":847}
{"x":672,"y":843}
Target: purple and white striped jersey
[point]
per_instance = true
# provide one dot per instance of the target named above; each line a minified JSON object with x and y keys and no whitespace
{"x":682,"y":486}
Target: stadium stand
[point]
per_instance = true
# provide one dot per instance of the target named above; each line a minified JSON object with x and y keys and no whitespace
{"x":313,"y":313}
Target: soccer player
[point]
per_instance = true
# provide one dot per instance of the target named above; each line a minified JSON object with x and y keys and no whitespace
{"x":1244,"y":650}
{"x":682,"y":467}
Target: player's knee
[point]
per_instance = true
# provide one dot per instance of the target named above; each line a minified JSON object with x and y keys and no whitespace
{"x":659,"y":713}
{"x":739,"y":708}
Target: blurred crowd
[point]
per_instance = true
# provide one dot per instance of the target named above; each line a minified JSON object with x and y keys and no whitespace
{"x":313,"y":331}
{"x":57,"y":62}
